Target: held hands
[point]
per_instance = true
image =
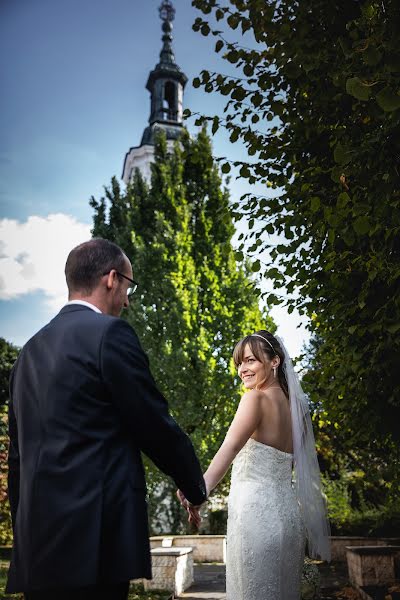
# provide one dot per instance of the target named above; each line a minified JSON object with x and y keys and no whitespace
{"x":193,"y":511}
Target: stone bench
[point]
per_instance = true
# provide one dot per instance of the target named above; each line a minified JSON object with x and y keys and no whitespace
{"x":206,"y":548}
{"x":172,"y":570}
{"x":339,"y":544}
{"x":373,"y":568}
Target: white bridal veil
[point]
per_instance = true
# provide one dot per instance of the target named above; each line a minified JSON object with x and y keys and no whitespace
{"x":308,"y":479}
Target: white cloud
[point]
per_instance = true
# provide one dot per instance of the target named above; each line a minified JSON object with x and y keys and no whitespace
{"x":33,"y":255}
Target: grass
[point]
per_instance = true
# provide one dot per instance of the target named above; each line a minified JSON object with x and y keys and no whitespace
{"x":136,"y":591}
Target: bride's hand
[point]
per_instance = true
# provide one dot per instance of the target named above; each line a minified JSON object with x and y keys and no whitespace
{"x":193,"y":511}
{"x":194,"y":516}
{"x":181,"y":498}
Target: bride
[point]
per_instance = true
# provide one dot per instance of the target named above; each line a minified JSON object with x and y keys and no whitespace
{"x":269,"y":516}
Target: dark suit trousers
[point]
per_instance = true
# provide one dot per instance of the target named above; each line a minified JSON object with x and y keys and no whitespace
{"x":117,"y":591}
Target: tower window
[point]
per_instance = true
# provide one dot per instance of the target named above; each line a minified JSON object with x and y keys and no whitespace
{"x":170,"y":102}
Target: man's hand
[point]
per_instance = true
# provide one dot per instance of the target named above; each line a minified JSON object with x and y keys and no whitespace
{"x":193,"y":511}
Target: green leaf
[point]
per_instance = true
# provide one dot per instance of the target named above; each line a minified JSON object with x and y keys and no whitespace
{"x":232,"y":56}
{"x":356,"y":88}
{"x":219,"y":45}
{"x":256,"y":99}
{"x":248,"y":70}
{"x":239,"y":94}
{"x":239,"y":255}
{"x":372,"y":56}
{"x":315,"y":203}
{"x":233,"y":20}
{"x":196,"y":82}
{"x":341,"y":154}
{"x":215,"y":125}
{"x":226,"y":167}
{"x":272,"y":299}
{"x":342,"y":200}
{"x":393,"y":327}
{"x":388,"y":100}
{"x":205,"y":30}
{"x":244,"y":171}
{"x":256,"y":266}
{"x":361,"y":225}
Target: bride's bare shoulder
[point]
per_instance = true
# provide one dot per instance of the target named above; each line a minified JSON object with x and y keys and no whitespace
{"x":273,"y":395}
{"x":252,"y":396}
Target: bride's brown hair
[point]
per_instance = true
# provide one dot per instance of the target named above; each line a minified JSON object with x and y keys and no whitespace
{"x":268,"y":346}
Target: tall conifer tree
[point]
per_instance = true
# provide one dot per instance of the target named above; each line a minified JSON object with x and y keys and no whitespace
{"x":194,"y":299}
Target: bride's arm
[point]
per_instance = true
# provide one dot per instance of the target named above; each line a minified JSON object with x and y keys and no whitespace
{"x":245,"y":422}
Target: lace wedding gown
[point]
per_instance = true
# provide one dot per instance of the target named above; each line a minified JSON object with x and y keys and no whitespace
{"x":265,"y":545}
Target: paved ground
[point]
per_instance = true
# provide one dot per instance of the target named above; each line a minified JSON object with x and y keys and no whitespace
{"x":334,"y":579}
{"x":210,"y":582}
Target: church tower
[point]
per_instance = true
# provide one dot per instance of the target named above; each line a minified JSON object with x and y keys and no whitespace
{"x":166,"y":84}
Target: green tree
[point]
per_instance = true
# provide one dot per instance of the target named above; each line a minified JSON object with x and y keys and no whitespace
{"x":8,"y":356}
{"x":362,"y":481}
{"x":316,"y":102}
{"x":195,"y":299}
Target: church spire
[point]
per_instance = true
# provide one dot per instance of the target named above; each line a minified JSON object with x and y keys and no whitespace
{"x":167,"y":15}
{"x":166,"y":84}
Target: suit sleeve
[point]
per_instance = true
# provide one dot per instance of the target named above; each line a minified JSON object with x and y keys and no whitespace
{"x":13,"y":455}
{"x":143,"y":408}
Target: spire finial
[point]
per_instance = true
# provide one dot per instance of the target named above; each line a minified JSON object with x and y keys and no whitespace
{"x":167,"y":11}
{"x":167,"y":15}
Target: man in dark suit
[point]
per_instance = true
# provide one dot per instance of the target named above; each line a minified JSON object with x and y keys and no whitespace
{"x":83,"y":406}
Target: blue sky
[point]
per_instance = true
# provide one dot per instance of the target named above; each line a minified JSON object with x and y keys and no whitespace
{"x":72,"y":102}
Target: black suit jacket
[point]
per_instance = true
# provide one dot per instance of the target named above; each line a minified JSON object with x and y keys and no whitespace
{"x":83,"y":406}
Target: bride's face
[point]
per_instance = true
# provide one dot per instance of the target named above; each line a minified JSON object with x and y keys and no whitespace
{"x":251,"y":371}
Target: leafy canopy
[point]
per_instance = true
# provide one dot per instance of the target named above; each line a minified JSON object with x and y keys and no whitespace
{"x":316,"y":101}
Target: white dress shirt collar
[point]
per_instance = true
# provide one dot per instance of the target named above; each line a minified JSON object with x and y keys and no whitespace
{"x":84,"y":303}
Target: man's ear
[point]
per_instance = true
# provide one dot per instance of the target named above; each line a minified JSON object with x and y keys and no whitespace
{"x":110,"y":279}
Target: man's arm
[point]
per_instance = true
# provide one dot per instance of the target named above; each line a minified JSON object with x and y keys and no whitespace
{"x":13,"y":455}
{"x":126,"y":372}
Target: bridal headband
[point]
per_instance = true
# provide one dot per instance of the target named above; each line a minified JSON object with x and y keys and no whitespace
{"x":265,"y":340}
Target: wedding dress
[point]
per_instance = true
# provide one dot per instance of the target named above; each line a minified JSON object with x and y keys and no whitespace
{"x":266,"y":536}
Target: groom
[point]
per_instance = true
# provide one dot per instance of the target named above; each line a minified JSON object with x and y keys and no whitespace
{"x":83,"y":406}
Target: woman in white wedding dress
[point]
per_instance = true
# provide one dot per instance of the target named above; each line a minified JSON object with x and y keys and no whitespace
{"x":269,"y":517}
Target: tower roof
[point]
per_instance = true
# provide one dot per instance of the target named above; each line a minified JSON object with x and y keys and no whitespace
{"x":167,"y":66}
{"x":166,"y":85}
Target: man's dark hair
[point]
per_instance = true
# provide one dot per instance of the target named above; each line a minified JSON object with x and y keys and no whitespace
{"x":89,"y":261}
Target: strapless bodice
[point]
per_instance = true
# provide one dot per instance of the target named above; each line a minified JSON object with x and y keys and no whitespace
{"x":260,"y":463}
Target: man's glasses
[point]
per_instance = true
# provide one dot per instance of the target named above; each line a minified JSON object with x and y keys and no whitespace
{"x":131,"y":290}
